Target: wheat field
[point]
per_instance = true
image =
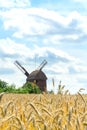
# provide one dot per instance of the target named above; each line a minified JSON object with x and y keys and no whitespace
{"x":43,"y":112}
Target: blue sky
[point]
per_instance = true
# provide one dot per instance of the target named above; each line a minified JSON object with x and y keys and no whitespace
{"x":34,"y":30}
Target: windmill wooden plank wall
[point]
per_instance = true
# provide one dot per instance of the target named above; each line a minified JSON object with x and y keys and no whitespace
{"x":37,"y":76}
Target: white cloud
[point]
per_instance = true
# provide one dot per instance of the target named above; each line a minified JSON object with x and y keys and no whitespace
{"x":57,"y":68}
{"x":37,"y":21}
{"x":56,"y":39}
{"x":32,"y":21}
{"x":14,"y":3}
{"x":44,"y":51}
{"x":80,"y":68}
{"x":24,"y":22}
{"x":8,"y":46}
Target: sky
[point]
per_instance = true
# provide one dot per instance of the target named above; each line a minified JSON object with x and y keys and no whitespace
{"x":54,"y":30}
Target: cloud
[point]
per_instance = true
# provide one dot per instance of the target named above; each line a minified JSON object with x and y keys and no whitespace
{"x":9,"y":47}
{"x":42,"y":23}
{"x":14,"y":3}
{"x":77,"y":68}
{"x":52,"y":52}
{"x":57,"y":58}
{"x":12,"y":50}
{"x":36,"y":21}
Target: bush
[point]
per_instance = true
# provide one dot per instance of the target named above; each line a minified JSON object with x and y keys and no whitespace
{"x":31,"y":88}
{"x":26,"y":88}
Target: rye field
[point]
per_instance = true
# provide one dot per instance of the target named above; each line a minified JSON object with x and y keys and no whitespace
{"x":43,"y":112}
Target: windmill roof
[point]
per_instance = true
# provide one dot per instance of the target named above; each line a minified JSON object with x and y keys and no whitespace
{"x":37,"y":74}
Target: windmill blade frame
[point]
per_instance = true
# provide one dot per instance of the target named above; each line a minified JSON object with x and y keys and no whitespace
{"x":21,"y":68}
{"x":42,"y":65}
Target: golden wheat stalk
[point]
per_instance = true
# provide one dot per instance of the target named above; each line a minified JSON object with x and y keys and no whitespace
{"x":36,"y":110}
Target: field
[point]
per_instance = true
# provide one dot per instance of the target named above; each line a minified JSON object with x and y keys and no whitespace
{"x":43,"y":112}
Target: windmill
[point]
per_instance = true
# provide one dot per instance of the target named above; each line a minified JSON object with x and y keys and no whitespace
{"x":37,"y":76}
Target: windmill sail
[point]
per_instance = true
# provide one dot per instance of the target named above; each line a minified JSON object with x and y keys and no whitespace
{"x":21,"y":68}
{"x":42,"y":65}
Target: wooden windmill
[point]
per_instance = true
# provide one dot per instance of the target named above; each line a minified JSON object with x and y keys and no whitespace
{"x":37,"y":76}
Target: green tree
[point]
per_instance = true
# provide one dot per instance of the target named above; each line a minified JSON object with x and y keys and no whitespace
{"x":3,"y":84}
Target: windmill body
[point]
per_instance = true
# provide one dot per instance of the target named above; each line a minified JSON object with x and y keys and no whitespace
{"x":37,"y":76}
